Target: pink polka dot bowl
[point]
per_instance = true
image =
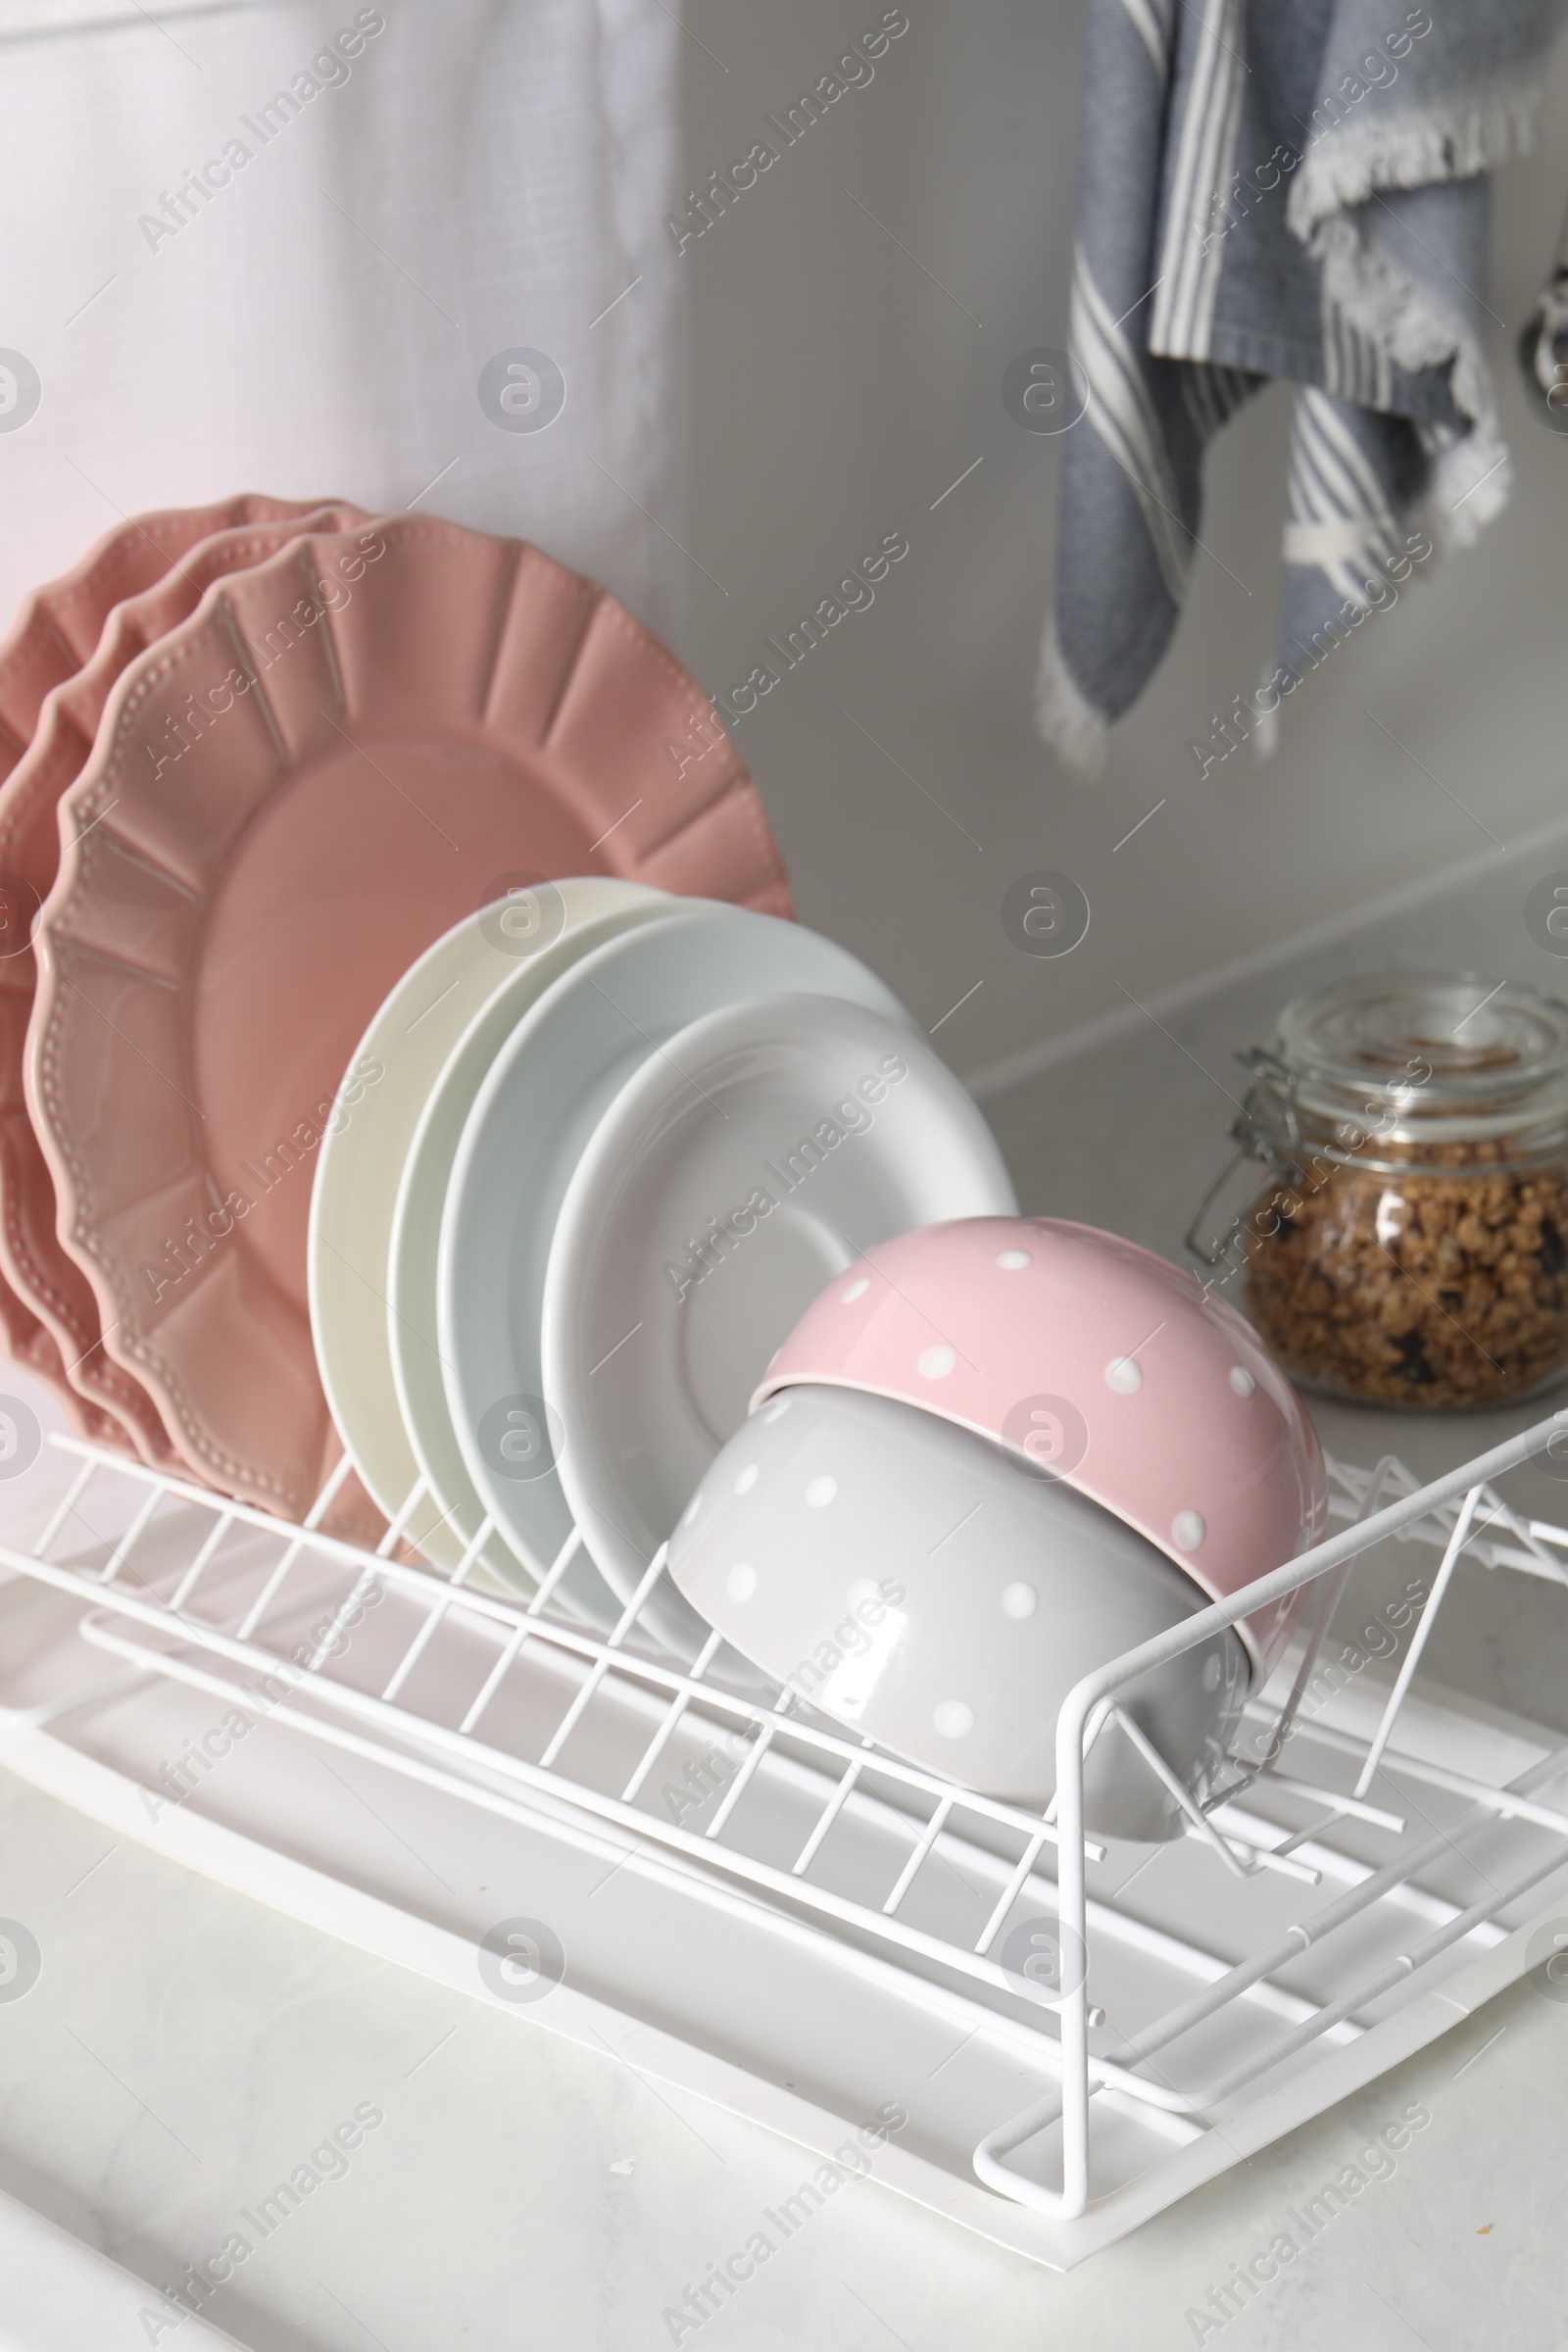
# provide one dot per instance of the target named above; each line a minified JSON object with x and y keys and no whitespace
{"x":1100,"y":1362}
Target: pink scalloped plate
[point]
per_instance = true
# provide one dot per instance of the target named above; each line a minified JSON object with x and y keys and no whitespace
{"x":47,"y":1279}
{"x":55,"y":630}
{"x":58,"y":625}
{"x":335,"y":759}
{"x":25,"y":1341}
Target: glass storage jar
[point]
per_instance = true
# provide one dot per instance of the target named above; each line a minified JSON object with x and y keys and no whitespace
{"x":1410,"y":1247}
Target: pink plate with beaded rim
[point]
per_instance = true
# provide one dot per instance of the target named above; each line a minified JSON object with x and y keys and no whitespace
{"x":46,"y":1278}
{"x":54,"y":631}
{"x":341,"y":752}
{"x":58,"y":627}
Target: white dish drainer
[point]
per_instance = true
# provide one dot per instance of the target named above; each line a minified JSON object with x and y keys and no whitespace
{"x":800,"y":1922}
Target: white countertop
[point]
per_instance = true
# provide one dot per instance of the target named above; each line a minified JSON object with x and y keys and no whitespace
{"x":184,"y":2048}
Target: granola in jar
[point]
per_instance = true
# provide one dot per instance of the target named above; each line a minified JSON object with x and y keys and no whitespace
{"x":1410,"y":1247}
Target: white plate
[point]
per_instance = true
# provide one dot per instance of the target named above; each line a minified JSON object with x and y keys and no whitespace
{"x":732,"y":1179}
{"x":410,"y":1310}
{"x":362,"y":1160}
{"x":559,"y":1073}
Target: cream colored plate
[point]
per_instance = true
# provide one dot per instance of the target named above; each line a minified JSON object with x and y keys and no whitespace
{"x":503,"y":948}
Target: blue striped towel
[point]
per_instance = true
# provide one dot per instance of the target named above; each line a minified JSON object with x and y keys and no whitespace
{"x":1278,"y":190}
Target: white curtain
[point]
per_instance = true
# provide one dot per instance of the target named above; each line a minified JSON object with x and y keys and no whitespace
{"x":474,"y":177}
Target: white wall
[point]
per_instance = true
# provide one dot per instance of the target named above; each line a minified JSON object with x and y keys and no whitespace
{"x":836,"y":393}
{"x":489,"y":177}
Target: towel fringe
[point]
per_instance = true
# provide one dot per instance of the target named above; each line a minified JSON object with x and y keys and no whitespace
{"x":1443,"y":142}
{"x":1390,"y":309}
{"x":1470,"y":486}
{"x":1066,"y":720}
{"x":1470,"y":481}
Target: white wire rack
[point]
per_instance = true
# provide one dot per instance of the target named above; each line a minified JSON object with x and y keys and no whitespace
{"x":507,"y":1706}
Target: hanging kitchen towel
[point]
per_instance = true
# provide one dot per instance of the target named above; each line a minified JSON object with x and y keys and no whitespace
{"x":1278,"y":191}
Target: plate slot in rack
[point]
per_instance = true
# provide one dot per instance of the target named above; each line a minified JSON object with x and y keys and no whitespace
{"x":1357,"y":1851}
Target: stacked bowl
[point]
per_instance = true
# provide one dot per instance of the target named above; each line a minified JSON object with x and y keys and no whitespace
{"x":1003,"y":1452}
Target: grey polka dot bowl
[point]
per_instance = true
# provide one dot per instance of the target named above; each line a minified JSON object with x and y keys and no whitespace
{"x":931,"y":1589}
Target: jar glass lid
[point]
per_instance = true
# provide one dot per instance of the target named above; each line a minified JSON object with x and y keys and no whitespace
{"x":1451,"y":1053}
